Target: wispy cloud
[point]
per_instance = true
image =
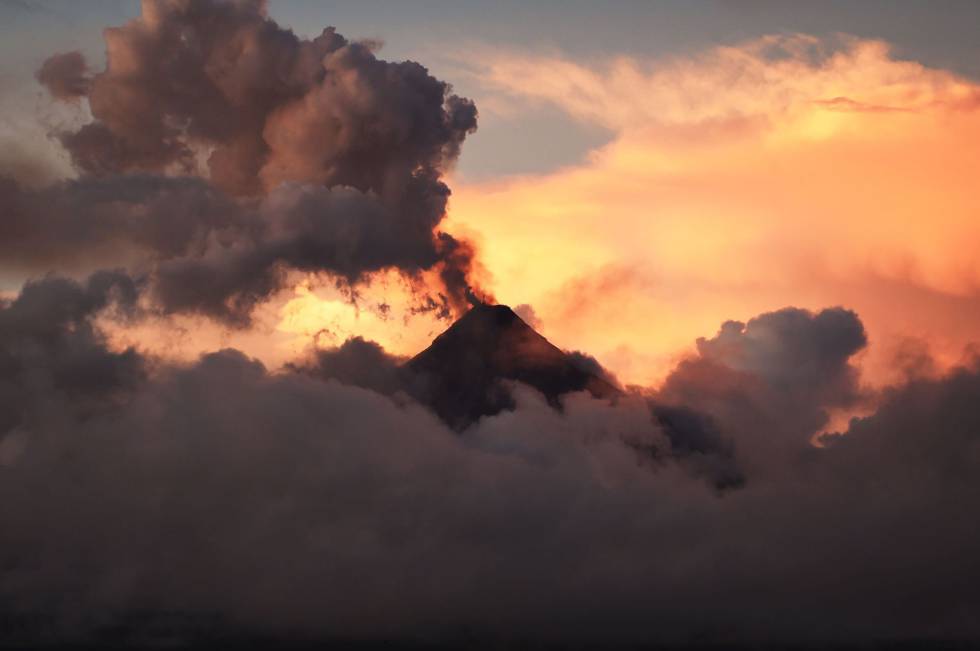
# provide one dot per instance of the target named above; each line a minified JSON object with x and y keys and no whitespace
{"x":784,"y":170}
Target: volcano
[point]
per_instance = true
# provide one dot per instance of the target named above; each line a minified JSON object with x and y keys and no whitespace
{"x":467,"y":371}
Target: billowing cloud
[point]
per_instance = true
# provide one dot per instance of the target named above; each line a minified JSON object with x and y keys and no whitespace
{"x":80,"y":224}
{"x":52,"y":355}
{"x":359,"y":363}
{"x":296,"y":504}
{"x":771,"y":383}
{"x":802,"y":355}
{"x":224,"y":152}
{"x":221,"y":80}
{"x":65,"y":75}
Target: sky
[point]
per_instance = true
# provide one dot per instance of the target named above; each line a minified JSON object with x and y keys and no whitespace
{"x":620,"y":101}
{"x":936,"y":34}
{"x":226,"y":224}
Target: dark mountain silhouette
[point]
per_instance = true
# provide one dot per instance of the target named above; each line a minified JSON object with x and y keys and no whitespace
{"x":464,"y":373}
{"x":469,"y":372}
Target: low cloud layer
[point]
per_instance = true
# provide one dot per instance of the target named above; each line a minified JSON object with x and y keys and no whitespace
{"x":292,"y":503}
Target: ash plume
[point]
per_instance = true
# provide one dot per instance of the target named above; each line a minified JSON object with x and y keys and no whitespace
{"x":65,"y":75}
{"x":281,"y":153}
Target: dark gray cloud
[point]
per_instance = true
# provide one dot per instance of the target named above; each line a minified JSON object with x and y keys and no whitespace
{"x":210,"y":254}
{"x":359,"y":363}
{"x":341,"y":231}
{"x":87,"y":223}
{"x":65,"y":75}
{"x":288,"y":154}
{"x":928,"y":422}
{"x":698,"y":443}
{"x":771,"y":383}
{"x":793,"y":350}
{"x":52,"y":357}
{"x":192,"y":77}
{"x":292,"y":504}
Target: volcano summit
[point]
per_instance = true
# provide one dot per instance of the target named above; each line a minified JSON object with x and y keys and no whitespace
{"x":464,"y":373}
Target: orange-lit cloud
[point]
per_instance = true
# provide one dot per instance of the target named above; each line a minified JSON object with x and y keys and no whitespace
{"x":783,"y":171}
{"x":315,"y":313}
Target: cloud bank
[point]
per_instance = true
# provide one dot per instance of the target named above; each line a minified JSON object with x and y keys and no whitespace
{"x":303,"y":504}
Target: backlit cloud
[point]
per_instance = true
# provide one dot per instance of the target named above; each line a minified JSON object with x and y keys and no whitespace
{"x":782,"y":171}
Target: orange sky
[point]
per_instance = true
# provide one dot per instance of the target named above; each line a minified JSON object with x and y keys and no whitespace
{"x":782,"y":171}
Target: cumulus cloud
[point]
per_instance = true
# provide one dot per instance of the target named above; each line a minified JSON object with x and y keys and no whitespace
{"x":52,"y":355}
{"x":189,"y":78}
{"x":359,"y":363}
{"x":231,"y":151}
{"x":64,"y":75}
{"x":769,"y":384}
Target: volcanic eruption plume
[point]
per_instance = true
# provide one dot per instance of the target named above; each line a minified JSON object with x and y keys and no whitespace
{"x":225,"y":151}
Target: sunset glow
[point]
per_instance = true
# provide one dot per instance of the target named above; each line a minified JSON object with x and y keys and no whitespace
{"x":540,"y":324}
{"x":736,"y":184}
